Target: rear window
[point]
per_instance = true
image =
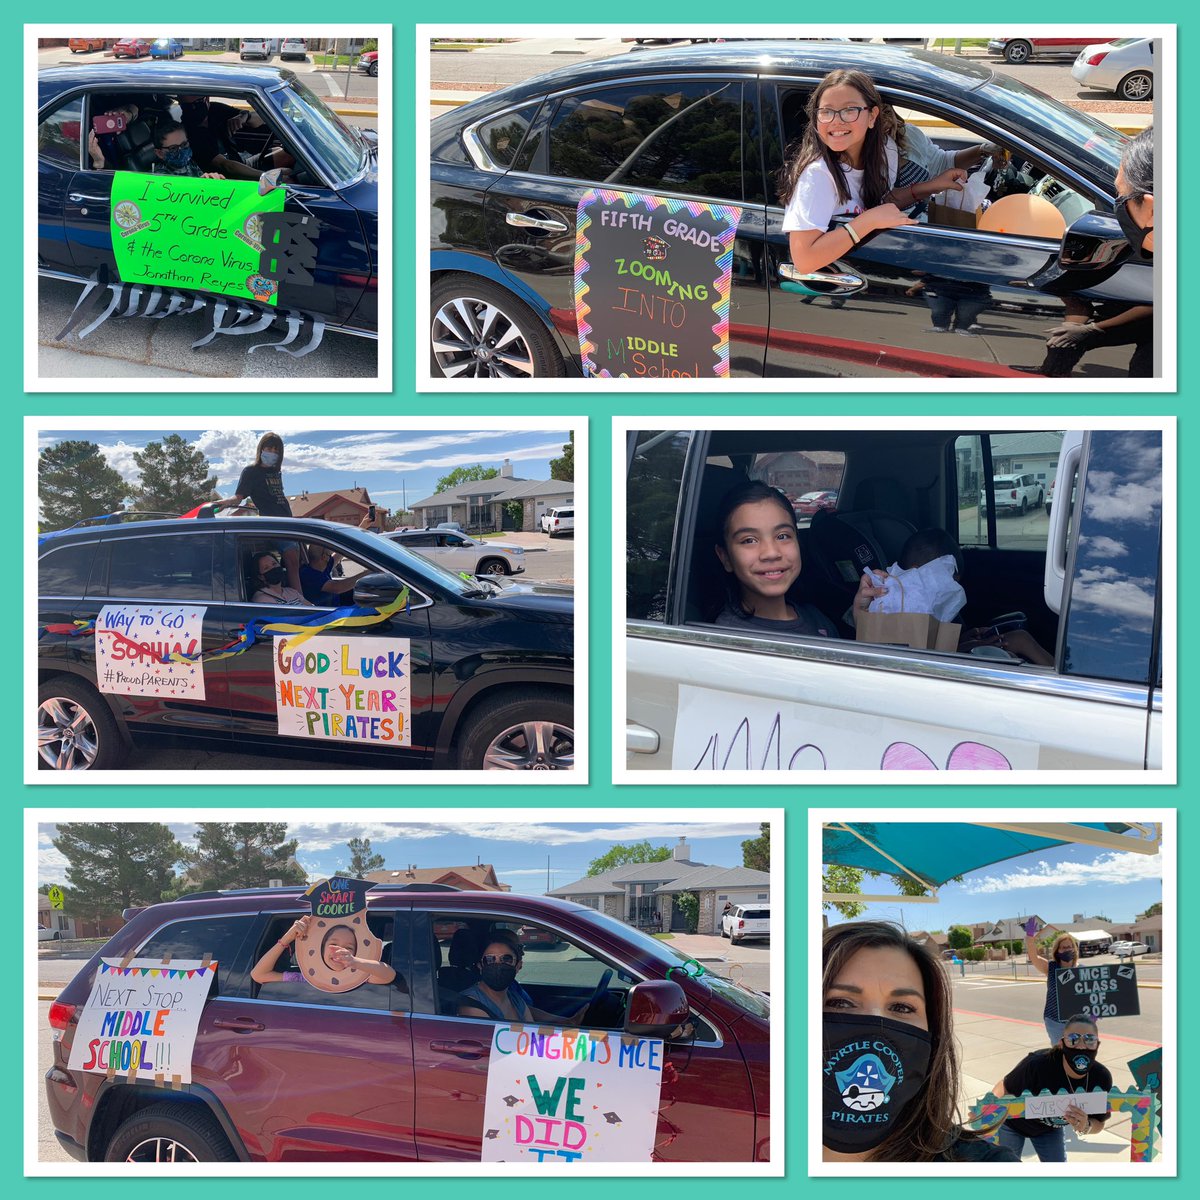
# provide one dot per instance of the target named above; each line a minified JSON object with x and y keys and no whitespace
{"x":64,"y":572}
{"x":756,"y":914}
{"x":162,"y":568}
{"x":220,"y":937}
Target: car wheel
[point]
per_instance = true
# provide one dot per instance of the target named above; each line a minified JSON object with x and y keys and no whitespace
{"x":481,"y":331}
{"x":373,"y":69}
{"x":1136,"y":86}
{"x":1018,"y":52}
{"x":76,"y":730}
{"x":493,"y":566}
{"x":170,"y":1133}
{"x":1024,"y":506}
{"x":526,"y":730}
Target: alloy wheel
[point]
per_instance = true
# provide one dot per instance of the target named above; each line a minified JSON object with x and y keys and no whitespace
{"x":532,"y":746}
{"x":66,"y":735}
{"x":475,"y":339}
{"x":160,"y":1150}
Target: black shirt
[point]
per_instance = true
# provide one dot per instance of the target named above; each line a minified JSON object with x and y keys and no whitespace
{"x":808,"y":622}
{"x":265,"y":487}
{"x":1044,"y":1070}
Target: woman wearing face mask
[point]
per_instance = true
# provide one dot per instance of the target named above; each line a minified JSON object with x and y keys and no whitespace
{"x":889,"y":1064}
{"x":271,"y":587}
{"x":1063,"y":953}
{"x":1070,"y":1066}
{"x":498,"y":995}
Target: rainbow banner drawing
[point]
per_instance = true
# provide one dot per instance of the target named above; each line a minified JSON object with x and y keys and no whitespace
{"x":652,"y":281}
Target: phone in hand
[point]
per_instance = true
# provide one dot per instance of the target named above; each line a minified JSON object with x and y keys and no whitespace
{"x":109,"y":123}
{"x":371,"y":512}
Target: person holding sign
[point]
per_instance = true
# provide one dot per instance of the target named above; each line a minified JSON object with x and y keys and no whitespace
{"x":1070,"y":1066}
{"x":1064,"y":954}
{"x":889,"y":1063}
{"x":846,"y":164}
{"x":338,"y":951}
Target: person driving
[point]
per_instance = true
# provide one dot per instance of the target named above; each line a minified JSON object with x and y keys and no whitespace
{"x":213,"y":126}
{"x":498,"y":995}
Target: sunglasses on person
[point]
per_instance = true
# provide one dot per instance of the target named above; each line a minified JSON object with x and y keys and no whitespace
{"x":1081,"y":1039}
{"x":498,"y":960}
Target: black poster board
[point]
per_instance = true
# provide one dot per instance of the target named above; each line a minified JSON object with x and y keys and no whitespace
{"x":652,"y":280}
{"x":1104,"y":991}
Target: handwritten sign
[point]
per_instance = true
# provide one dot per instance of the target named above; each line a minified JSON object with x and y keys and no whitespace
{"x":1106,"y":991}
{"x":186,"y":232}
{"x":1046,"y":1105}
{"x":571,"y":1095}
{"x":140,"y":1020}
{"x":55,"y":896}
{"x":344,"y":689}
{"x":132,"y":638}
{"x":734,"y":731}
{"x":652,"y":280}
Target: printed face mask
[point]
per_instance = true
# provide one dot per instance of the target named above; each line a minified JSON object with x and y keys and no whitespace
{"x":1135,"y":235}
{"x":872,"y":1068}
{"x":498,"y":976}
{"x":270,"y":458}
{"x":178,"y":156}
{"x":1079,"y":1059}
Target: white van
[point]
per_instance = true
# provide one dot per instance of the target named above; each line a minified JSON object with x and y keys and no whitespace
{"x":1083,"y":582}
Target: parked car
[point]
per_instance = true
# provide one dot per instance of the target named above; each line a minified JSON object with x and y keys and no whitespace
{"x":509,"y":170}
{"x":1129,"y":949}
{"x":292,"y":48}
{"x":86,"y":45}
{"x":166,"y":48}
{"x":702,"y":696}
{"x":131,"y":47}
{"x":410,"y":1076}
{"x":369,"y":62}
{"x":747,"y":921}
{"x":557,"y":521}
{"x":336,"y":166}
{"x":1021,"y":49}
{"x":255,"y":47}
{"x":1014,"y":494}
{"x":812,"y":502}
{"x":458,"y":552}
{"x":1124,"y":67}
{"x":48,"y":935}
{"x":498,"y":698}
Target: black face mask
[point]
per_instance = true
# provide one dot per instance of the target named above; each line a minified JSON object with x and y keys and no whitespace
{"x":1065,"y":958}
{"x":274,"y":575}
{"x":1135,"y":235}
{"x":498,"y":976}
{"x":872,"y":1068}
{"x":1080,"y":1060}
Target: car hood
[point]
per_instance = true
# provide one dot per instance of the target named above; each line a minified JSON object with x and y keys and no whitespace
{"x":554,"y":600}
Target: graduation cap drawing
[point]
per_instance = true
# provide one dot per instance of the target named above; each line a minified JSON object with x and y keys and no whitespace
{"x":338,"y":909}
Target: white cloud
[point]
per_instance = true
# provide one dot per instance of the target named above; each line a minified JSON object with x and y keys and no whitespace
{"x":52,"y":866}
{"x":1112,"y":867}
{"x":1104,"y":547}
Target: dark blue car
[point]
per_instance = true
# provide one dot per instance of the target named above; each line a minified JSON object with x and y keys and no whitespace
{"x":335,"y":173}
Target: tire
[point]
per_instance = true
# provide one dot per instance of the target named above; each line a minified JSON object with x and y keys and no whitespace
{"x":1137,"y":85}
{"x":1024,"y":506}
{"x":170,"y":1133}
{"x":66,"y":703}
{"x":373,"y":69}
{"x":724,"y":931}
{"x":493,"y":566}
{"x":459,"y":303}
{"x":524,"y":729}
{"x":1017,"y":52}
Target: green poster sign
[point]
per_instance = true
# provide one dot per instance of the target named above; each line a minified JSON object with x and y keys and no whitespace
{"x":181,"y":232}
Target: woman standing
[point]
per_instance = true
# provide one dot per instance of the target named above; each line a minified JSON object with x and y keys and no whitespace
{"x":1063,"y":953}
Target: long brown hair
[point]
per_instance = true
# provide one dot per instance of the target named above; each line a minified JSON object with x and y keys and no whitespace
{"x":267,"y":442}
{"x":930,"y":1122}
{"x":809,"y":148}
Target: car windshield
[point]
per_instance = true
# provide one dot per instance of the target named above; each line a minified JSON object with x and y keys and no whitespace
{"x":667,"y":957}
{"x":341,"y":148}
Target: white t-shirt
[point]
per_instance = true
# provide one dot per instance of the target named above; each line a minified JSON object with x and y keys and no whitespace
{"x":815,"y":201}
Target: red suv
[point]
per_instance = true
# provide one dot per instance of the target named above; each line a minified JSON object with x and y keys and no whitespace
{"x":282,"y":1072}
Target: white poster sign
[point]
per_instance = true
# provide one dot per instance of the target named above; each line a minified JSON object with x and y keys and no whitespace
{"x":1056,"y":1106}
{"x":140,"y":1020}
{"x":571,"y":1095}
{"x":344,"y":689}
{"x":132,"y":640}
{"x":732,"y":731}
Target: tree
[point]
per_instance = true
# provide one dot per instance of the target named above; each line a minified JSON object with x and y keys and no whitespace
{"x":516,"y":513}
{"x":174,"y":476}
{"x":74,"y":482}
{"x":114,"y":866}
{"x":1155,"y":910}
{"x":363,"y":858}
{"x":564,"y":468}
{"x":689,"y":904}
{"x":756,"y":852}
{"x":242,"y":854}
{"x":959,"y":937}
{"x":461,"y":475}
{"x":842,"y":881}
{"x":619,"y":856}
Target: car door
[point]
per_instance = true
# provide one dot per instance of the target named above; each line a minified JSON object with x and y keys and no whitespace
{"x":936,"y":299}
{"x":690,"y":138}
{"x":59,"y":155}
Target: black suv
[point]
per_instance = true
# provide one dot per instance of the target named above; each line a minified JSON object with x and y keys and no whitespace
{"x":484,"y":675}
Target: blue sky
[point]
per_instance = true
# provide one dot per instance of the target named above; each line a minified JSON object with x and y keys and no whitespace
{"x":517,"y":849}
{"x":393,"y":464}
{"x":1055,"y":884}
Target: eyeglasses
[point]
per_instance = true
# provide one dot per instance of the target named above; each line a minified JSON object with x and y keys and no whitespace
{"x":1082,"y":1039}
{"x":498,"y":960}
{"x":849,"y":115}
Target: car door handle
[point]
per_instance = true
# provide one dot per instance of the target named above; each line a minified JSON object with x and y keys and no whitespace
{"x":459,"y":1049}
{"x":525,"y":221}
{"x":821,"y":283}
{"x":239,"y":1024}
{"x":640,"y":740}
{"x":80,"y":198}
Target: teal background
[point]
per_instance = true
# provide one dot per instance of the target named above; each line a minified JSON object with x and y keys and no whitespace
{"x":604,"y":526}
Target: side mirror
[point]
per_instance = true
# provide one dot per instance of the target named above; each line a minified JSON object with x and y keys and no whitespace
{"x":655,"y":1008}
{"x":1093,"y":243}
{"x":375,"y":589}
{"x":268,"y":181}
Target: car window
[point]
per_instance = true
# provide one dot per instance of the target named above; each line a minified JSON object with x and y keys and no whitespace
{"x":64,"y":572}
{"x":655,"y":477}
{"x":502,"y":137}
{"x":162,"y":568}
{"x":1019,"y":499}
{"x":59,"y":136}
{"x":338,"y":146}
{"x":660,"y":136}
{"x":220,"y":937}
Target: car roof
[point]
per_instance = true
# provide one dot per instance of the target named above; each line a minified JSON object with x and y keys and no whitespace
{"x":302,"y":527}
{"x":161,"y":77}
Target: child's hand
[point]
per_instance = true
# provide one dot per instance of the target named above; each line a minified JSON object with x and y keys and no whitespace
{"x":886,"y":216}
{"x":341,"y":958}
{"x":868,"y":590}
{"x":298,"y":930}
{"x":952,"y":180}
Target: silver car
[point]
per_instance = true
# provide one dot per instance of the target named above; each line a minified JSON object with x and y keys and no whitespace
{"x":1124,"y":67}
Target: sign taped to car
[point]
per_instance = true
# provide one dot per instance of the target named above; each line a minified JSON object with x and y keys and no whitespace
{"x":571,"y":1095}
{"x":1104,"y":991}
{"x":344,"y":689}
{"x":132,"y":640}
{"x":140,"y":1019}
{"x":652,"y":280}
{"x":184,"y":232}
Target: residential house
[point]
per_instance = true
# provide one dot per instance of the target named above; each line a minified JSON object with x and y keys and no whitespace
{"x":346,"y":506}
{"x":482,"y":506}
{"x":478,"y":878}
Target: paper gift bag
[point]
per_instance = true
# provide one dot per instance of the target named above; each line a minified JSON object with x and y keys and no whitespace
{"x":921,"y":631}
